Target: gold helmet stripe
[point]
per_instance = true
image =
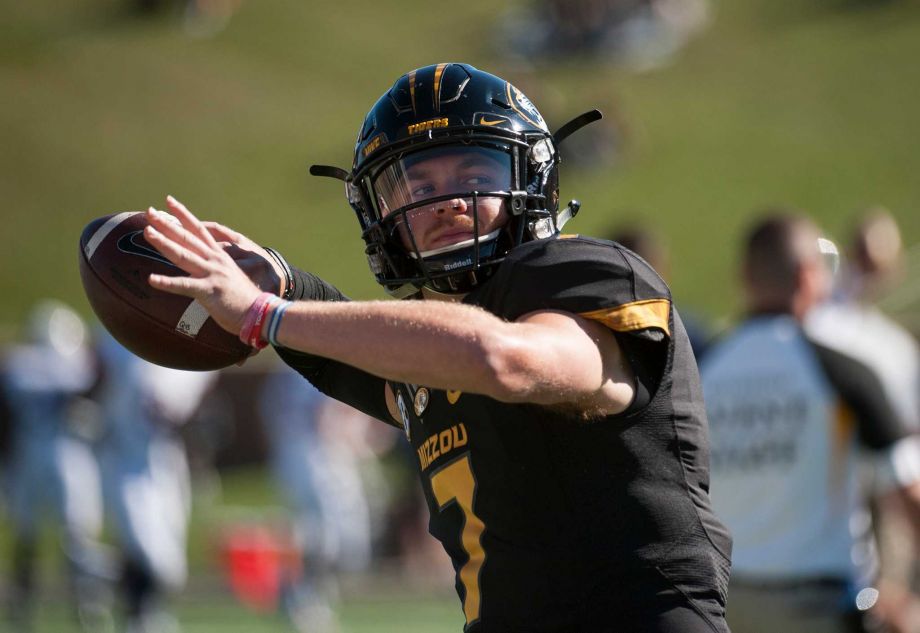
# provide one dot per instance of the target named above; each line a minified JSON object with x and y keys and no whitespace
{"x":412,"y":89}
{"x":438,"y":72}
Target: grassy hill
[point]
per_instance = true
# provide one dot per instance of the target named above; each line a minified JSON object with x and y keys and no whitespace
{"x":777,"y":102}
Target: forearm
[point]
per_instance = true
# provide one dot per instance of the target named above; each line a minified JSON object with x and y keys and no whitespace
{"x":437,"y":344}
{"x":910,"y":497}
{"x":362,"y":336}
{"x":543,"y":359}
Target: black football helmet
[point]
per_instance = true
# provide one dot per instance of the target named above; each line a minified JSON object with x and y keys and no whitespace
{"x":468,"y":116}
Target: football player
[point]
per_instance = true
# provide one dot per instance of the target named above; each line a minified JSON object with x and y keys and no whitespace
{"x":146,"y":479}
{"x":545,"y":381}
{"x":51,"y":470}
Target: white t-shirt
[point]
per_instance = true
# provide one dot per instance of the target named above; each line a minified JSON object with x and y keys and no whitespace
{"x":790,"y":423}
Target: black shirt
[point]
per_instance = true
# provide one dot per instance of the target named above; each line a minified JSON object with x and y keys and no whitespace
{"x":555,"y":522}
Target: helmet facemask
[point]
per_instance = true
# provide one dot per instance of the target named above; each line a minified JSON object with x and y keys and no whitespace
{"x":445,"y":213}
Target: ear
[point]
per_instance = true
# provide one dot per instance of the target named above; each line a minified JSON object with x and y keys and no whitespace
{"x":813,"y":283}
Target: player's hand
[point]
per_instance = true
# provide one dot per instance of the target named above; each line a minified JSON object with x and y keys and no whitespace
{"x":252,"y":258}
{"x":215,"y":279}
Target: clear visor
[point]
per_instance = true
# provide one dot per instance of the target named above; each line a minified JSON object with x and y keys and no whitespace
{"x":445,"y":198}
{"x":442,"y":171}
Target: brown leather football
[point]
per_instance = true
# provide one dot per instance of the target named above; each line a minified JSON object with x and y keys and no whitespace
{"x":163,"y":328}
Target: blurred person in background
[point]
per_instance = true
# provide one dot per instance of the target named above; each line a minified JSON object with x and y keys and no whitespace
{"x":146,"y":477}
{"x":795,"y":418}
{"x":874,"y":269}
{"x":638,"y":34}
{"x":651,"y":247}
{"x":318,"y":447}
{"x":51,"y":471}
{"x":200,"y":18}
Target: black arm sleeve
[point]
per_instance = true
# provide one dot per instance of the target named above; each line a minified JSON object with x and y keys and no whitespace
{"x":648,"y":358}
{"x":878,"y":424}
{"x":308,"y":286}
{"x":353,"y":386}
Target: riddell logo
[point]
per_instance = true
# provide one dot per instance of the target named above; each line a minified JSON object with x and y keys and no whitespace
{"x":454,"y":265}
{"x":134,"y":244}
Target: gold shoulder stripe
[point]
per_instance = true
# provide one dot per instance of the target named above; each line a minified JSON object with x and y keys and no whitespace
{"x":637,"y":315}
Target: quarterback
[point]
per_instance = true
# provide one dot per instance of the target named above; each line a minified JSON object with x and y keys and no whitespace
{"x":545,"y":381}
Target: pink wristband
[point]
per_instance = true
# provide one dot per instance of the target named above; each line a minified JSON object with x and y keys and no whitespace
{"x":251,"y":332}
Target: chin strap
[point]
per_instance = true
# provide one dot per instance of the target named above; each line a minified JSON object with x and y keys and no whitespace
{"x":576,"y":124}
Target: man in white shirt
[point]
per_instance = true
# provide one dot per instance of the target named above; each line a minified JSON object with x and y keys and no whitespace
{"x":793,"y":419}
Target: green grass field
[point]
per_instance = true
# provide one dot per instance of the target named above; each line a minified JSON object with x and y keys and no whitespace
{"x":381,"y":601}
{"x":218,"y":614}
{"x":777,"y":102}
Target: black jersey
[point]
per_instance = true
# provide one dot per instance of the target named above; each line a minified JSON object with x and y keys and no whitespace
{"x":557,"y":523}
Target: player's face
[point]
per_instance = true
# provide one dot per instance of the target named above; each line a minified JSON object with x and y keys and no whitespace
{"x":450,"y":221}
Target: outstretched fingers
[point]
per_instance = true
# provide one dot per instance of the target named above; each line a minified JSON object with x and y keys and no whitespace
{"x":223,"y":233}
{"x":176,"y":252}
{"x":190,"y":222}
{"x":186,"y":286}
{"x":167,"y":225}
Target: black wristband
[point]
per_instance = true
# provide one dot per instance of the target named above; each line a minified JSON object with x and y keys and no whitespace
{"x":287,"y":292}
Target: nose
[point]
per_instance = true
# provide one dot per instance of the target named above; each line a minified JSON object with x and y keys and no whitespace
{"x":456,"y":206}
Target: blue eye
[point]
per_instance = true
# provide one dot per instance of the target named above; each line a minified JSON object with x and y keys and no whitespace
{"x":477,"y":180}
{"x":422,"y":191}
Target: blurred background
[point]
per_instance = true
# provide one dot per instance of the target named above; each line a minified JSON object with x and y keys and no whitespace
{"x":713,"y":109}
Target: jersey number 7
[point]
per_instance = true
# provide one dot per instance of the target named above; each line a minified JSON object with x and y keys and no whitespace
{"x":452,"y":483}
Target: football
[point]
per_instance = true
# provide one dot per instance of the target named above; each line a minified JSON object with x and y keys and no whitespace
{"x":163,"y":328}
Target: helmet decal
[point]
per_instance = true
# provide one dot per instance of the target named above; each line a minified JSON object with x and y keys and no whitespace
{"x":374,"y":143}
{"x":523,"y":106}
{"x":491,"y":120}
{"x":424,"y":126}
